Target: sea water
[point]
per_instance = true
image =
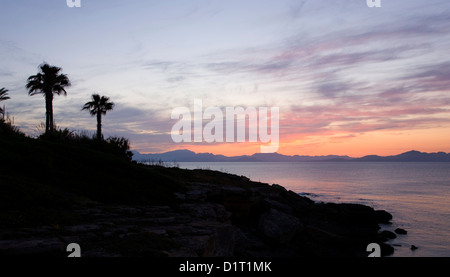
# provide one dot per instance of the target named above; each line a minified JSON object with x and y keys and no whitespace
{"x":416,"y":194}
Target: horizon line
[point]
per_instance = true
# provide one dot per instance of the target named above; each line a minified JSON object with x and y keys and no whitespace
{"x":289,"y":155}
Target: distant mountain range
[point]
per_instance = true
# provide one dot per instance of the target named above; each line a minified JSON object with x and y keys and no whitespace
{"x":189,"y":156}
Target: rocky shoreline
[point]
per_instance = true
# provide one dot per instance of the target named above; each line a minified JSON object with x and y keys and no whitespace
{"x":235,"y":217}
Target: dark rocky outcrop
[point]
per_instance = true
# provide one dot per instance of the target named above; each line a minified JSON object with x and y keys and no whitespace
{"x":401,"y":231}
{"x":231,"y":218}
{"x":387,"y":235}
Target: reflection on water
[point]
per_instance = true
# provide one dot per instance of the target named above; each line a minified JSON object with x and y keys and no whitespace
{"x":417,"y":194}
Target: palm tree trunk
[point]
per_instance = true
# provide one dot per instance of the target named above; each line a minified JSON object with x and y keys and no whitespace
{"x":52,"y":122}
{"x":99,"y":126}
{"x":48,"y":112}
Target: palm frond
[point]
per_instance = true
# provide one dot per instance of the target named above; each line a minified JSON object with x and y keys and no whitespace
{"x":4,"y":94}
{"x":48,"y":81}
{"x":98,"y":104}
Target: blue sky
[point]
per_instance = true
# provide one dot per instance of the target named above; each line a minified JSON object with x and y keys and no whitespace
{"x":347,"y":78}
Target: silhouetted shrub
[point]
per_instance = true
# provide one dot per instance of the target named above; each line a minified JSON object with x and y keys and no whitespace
{"x":58,"y":135}
{"x":8,"y":129}
{"x":117,"y":146}
{"x":122,"y":146}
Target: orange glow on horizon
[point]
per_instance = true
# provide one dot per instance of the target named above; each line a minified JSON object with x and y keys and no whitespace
{"x":383,"y":143}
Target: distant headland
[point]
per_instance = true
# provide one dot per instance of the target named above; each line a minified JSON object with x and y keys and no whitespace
{"x":189,"y":156}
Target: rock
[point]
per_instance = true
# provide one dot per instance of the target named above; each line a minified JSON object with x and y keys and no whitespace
{"x":218,"y":241}
{"x":387,"y":235}
{"x":386,"y":250}
{"x":277,"y":205}
{"x":400,"y":231}
{"x":205,"y":211}
{"x":42,"y":246}
{"x":279,"y":226}
{"x":413,"y":247}
{"x":232,"y":218}
{"x":278,"y":187}
{"x":246,"y":242}
{"x":382,"y":216}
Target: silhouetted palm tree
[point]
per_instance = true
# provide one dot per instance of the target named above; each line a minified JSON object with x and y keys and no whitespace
{"x":98,"y":106}
{"x":3,"y":96}
{"x":48,"y":82}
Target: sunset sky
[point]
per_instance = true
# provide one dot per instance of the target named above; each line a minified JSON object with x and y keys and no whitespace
{"x":348,"y":79}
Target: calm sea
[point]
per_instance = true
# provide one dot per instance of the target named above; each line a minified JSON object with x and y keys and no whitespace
{"x":416,"y":194}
